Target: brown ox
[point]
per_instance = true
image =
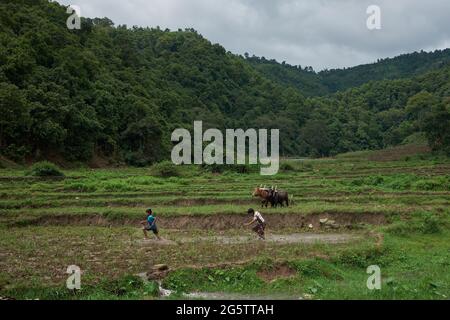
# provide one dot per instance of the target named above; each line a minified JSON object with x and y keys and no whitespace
{"x":264,"y":194}
{"x":269,"y":195}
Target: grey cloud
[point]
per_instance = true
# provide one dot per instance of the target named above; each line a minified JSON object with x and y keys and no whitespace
{"x":321,"y":33}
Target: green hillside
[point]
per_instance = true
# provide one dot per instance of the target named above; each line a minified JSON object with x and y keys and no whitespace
{"x":313,"y":83}
{"x":116,"y":93}
{"x":403,"y":66}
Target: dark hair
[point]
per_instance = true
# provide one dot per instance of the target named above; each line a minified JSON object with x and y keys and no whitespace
{"x":149,"y":210}
{"x":250,"y":211}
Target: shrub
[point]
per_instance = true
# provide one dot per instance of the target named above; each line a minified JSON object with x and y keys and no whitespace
{"x":375,"y":180}
{"x":45,"y":169}
{"x":123,"y":286}
{"x":402,"y":182}
{"x":213,"y":168}
{"x":437,"y":184}
{"x":363,"y":257}
{"x":117,"y":185}
{"x":286,"y":167}
{"x":80,"y":187}
{"x":304,"y":167}
{"x":430,"y":224}
{"x":165,"y":169}
{"x":421,"y":222}
{"x":15,"y":153}
{"x":136,"y":159}
{"x":317,"y":268}
{"x":240,"y":168}
{"x":357,"y":182}
{"x":230,"y":168}
{"x":402,"y":228}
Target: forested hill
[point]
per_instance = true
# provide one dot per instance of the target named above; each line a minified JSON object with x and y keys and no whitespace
{"x":325,"y":82}
{"x":304,"y":79}
{"x":118,"y":92}
{"x":403,"y":66}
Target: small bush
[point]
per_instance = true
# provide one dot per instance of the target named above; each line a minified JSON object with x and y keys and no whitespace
{"x":213,"y":168}
{"x":15,"y":153}
{"x":357,"y":182}
{"x":117,"y":185}
{"x":230,"y":168}
{"x":362,"y":257}
{"x":436,"y":184}
{"x":317,"y":268}
{"x":124,"y":285}
{"x":430,"y":225}
{"x":402,"y":228}
{"x":240,"y":168}
{"x":400,"y":183}
{"x":304,"y":167}
{"x":165,"y":169}
{"x":232,"y":279}
{"x":45,"y":169}
{"x":375,"y":180}
{"x":137,"y":159}
{"x":286,"y":167}
{"x":421,"y":222}
{"x":81,"y":187}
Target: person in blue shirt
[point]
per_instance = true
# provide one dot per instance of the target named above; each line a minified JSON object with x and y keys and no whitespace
{"x":150,"y":225}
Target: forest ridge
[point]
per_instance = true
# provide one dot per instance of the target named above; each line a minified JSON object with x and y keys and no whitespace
{"x":119,"y":92}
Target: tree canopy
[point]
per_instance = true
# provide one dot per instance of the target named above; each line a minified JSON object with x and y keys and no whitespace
{"x":118,"y":92}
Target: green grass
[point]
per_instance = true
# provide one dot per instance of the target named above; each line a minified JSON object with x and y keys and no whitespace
{"x":411,"y":268}
{"x":124,"y":288}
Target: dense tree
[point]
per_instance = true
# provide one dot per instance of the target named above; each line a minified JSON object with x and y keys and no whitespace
{"x":432,"y":117}
{"x":118,"y":92}
{"x":330,"y":81}
{"x":316,"y":138}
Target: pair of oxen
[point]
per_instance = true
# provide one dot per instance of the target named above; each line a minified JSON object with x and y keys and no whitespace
{"x":271,"y":195}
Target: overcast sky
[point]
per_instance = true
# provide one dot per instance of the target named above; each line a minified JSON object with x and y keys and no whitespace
{"x":318,"y":33}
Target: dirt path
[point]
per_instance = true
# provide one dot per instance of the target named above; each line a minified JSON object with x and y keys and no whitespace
{"x":281,"y":239}
{"x":237,"y":296}
{"x":270,"y":238}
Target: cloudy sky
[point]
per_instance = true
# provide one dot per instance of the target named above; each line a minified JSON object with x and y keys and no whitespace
{"x":318,"y":33}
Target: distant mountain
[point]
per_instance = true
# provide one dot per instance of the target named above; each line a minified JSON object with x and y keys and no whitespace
{"x":403,"y":66}
{"x":325,"y":82}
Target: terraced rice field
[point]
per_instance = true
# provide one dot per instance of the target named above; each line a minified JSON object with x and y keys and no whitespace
{"x":90,"y":218}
